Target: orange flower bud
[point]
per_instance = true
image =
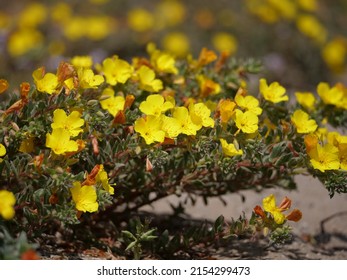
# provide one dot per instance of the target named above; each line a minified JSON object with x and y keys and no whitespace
{"x":129,"y":100}
{"x":53,"y":199}
{"x":119,"y":118}
{"x":3,"y":85}
{"x":295,"y":215}
{"x":285,"y":204}
{"x":259,"y":211}
{"x":29,"y":255}
{"x":91,"y":178}
{"x":206,"y":56}
{"x":24,"y":91}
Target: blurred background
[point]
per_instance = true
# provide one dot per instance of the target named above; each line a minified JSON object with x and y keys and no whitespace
{"x":300,"y":42}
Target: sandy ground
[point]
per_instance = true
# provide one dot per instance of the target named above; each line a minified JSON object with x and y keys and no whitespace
{"x":321,"y":234}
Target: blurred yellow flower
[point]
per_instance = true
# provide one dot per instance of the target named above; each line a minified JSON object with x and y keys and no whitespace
{"x":169,"y":13}
{"x":274,"y":92}
{"x":224,"y":42}
{"x":311,"y":27}
{"x":308,"y":5}
{"x":84,"y":197}
{"x":27,"y":145}
{"x":24,"y":40}
{"x":334,"y":54}
{"x":176,"y":43}
{"x":85,"y":61}
{"x":303,"y":123}
{"x":7,"y":201}
{"x":230,"y":149}
{"x":330,"y":95}
{"x":32,"y":15}
{"x":140,"y":20}
{"x":306,"y":99}
{"x":99,"y":27}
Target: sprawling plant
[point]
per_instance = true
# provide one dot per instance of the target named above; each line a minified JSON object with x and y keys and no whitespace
{"x":92,"y":141}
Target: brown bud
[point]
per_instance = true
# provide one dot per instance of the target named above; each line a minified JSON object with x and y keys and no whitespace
{"x":295,"y":215}
{"x":259,"y":211}
{"x":149,"y":165}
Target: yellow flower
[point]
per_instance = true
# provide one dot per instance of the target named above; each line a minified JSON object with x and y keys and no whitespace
{"x":113,"y":104}
{"x":162,"y":61}
{"x":325,"y":158}
{"x":170,"y":126}
{"x":45,"y":82}
{"x":269,"y":204}
{"x":140,"y":20}
{"x":224,"y":42}
{"x":230,"y":149}
{"x":187,"y":126}
{"x":59,"y":141}
{"x":82,"y":61}
{"x":150,"y":129}
{"x":116,"y":70}
{"x":302,"y":122}
{"x":103,"y":179}
{"x":306,"y":99}
{"x":84,"y":197}
{"x":147,"y":80}
{"x":274,"y":92}
{"x":329,"y":95}
{"x":87,"y":79}
{"x":250,"y":103}
{"x":71,"y":123}
{"x":246,"y":122}
{"x":200,"y":115}
{"x":7,"y":201}
{"x":2,"y":152}
{"x":155,"y":105}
